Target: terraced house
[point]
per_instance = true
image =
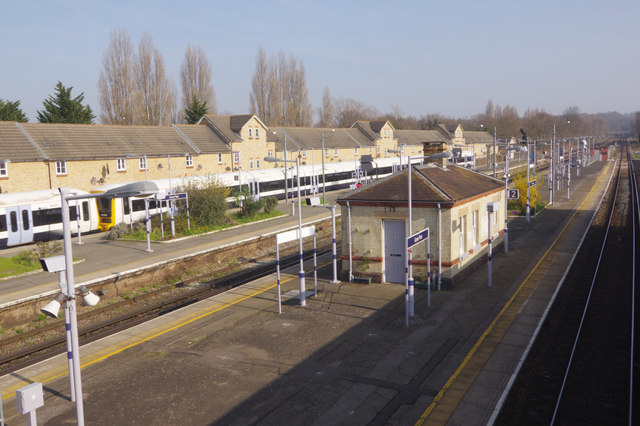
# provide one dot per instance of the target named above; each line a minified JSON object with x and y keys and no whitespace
{"x":84,"y":156}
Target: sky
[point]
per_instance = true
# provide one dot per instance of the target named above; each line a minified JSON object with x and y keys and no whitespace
{"x":421,"y":57}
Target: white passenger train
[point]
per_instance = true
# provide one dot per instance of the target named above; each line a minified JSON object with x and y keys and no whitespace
{"x":36,"y":216}
{"x":31,"y":216}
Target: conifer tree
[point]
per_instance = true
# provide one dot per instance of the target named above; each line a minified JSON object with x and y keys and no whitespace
{"x":195,"y":110}
{"x":11,"y":111}
{"x":61,"y":108}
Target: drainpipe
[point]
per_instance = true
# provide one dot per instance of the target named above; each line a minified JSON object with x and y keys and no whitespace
{"x":350,"y":245}
{"x":439,"y":246}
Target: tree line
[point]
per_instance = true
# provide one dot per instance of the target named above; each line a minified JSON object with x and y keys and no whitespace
{"x":133,"y":88}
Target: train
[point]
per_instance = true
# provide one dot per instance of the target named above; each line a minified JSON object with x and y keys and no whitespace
{"x":32,"y":216}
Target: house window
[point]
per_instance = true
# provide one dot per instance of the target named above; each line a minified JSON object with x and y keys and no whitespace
{"x":121,"y":165}
{"x":335,"y":152}
{"x":142,"y":163}
{"x":463,"y":240}
{"x":219,"y":158}
{"x":270,"y":153}
{"x":251,"y":164}
{"x":257,"y":164}
{"x":355,"y":150}
{"x":189,"y":160}
{"x":326,"y":152}
{"x":236,"y":157}
{"x":378,"y":150}
{"x":61,"y":167}
{"x":4,"y":170}
{"x":250,"y":132}
{"x":304,"y":153}
{"x":257,"y":132}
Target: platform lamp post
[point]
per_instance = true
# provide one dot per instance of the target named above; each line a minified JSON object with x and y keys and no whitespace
{"x":409,"y":284}
{"x":506,"y":192}
{"x":332,"y":132}
{"x":333,"y":231}
{"x":137,"y":189}
{"x":301,"y":273}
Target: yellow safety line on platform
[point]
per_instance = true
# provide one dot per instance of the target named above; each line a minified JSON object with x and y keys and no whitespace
{"x":11,"y":390}
{"x":491,"y":326}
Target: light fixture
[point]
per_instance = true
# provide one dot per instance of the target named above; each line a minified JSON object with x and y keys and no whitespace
{"x":88,"y":298}
{"x":52,"y":308}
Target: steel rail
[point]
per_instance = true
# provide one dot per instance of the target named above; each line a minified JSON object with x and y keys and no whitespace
{"x":586,"y":306}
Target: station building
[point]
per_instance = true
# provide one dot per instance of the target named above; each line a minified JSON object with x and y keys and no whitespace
{"x":37,"y":156}
{"x":449,"y":200}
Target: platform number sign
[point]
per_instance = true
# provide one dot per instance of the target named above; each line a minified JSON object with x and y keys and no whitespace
{"x":514,"y":194}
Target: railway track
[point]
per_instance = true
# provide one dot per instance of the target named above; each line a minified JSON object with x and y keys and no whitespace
{"x":580,"y":368}
{"x":153,"y":304}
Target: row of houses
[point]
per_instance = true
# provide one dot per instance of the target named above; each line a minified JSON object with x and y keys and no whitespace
{"x":37,"y":156}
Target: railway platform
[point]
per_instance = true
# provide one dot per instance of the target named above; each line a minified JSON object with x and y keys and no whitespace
{"x":345,"y":358}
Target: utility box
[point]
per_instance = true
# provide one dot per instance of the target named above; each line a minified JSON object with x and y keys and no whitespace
{"x":493,"y":207}
{"x":29,"y":398}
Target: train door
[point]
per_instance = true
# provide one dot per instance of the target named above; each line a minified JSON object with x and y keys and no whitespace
{"x":394,"y":255}
{"x":254,"y":187}
{"x":19,"y":225}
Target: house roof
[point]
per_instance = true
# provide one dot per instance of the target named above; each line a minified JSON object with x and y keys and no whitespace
{"x":94,"y":141}
{"x":15,"y":144}
{"x":477,"y":137}
{"x":417,"y":137}
{"x":205,"y":139}
{"x":311,"y":138}
{"x":430,"y":184}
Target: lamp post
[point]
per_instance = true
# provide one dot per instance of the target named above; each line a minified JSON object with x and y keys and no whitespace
{"x":132,"y":190}
{"x":301,"y":273}
{"x":506,"y":191}
{"x":409,"y":283}
{"x":333,"y":232}
{"x":332,"y":132}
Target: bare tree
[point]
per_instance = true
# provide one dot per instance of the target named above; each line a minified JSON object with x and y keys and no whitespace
{"x":195,"y":79}
{"x":155,"y":95}
{"x":325,"y":112}
{"x":348,"y":111}
{"x":116,"y":84}
{"x":279,"y":94}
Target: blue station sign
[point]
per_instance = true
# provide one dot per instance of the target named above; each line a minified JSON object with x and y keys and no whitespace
{"x":417,"y":238}
{"x":180,"y":196}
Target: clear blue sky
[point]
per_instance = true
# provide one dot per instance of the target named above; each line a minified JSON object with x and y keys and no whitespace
{"x":423,"y":56}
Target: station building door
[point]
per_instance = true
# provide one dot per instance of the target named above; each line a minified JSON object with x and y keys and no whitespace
{"x":394,"y":253}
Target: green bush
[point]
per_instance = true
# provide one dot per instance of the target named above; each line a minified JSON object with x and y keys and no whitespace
{"x":270,"y":204}
{"x":208,"y":205}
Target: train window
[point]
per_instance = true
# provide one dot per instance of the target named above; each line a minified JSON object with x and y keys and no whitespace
{"x":104,"y":207}
{"x":3,"y":223}
{"x":14,"y":221}
{"x":125,"y":204}
{"x":138,"y":205}
{"x":85,"y":210}
{"x":25,"y":220}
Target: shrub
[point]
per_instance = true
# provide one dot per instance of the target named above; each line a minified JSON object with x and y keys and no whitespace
{"x":270,"y":204}
{"x":208,"y":205}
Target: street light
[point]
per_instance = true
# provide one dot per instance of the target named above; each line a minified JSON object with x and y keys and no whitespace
{"x":409,"y":284}
{"x":137,"y":189}
{"x":332,"y":132}
{"x":333,"y":231}
{"x":301,"y":273}
{"x":506,"y":190}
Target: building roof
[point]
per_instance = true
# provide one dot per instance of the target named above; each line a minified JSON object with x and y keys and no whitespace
{"x":15,"y":144}
{"x":430,"y":184}
{"x":203,"y":138}
{"x":417,"y":137}
{"x":94,"y":141}
{"x":478,"y":137}
{"x":303,"y":138}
